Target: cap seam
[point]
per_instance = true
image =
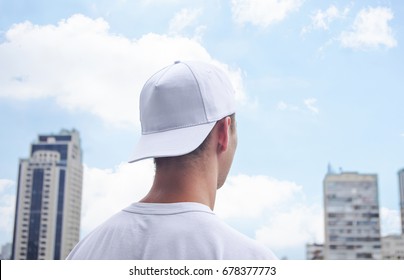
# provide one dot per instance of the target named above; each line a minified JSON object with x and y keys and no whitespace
{"x":199,"y":88}
{"x":163,"y":74}
{"x":165,"y":69}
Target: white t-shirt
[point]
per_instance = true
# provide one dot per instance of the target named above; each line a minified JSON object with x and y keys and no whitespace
{"x":167,"y":231}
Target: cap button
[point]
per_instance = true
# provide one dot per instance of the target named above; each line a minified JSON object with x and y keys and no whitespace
{"x":177,"y":61}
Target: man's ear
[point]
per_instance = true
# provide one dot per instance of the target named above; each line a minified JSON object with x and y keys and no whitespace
{"x":223,"y":132}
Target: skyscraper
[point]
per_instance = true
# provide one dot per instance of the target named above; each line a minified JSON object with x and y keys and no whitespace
{"x":48,"y":206}
{"x":351,"y":213}
{"x":401,"y":186}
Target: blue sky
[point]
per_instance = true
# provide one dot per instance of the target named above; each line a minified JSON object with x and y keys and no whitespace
{"x":317,"y":82}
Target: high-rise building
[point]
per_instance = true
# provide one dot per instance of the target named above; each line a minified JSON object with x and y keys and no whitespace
{"x":401,"y":187}
{"x":48,"y":205}
{"x":351,"y":214}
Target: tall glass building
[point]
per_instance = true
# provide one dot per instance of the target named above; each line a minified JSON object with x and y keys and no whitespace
{"x":401,"y":186}
{"x":351,"y":216}
{"x":48,"y":206}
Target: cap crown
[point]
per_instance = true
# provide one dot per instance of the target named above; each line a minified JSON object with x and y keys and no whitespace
{"x":185,"y":94}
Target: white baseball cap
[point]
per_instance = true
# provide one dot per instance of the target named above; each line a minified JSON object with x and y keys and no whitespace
{"x":179,"y":106}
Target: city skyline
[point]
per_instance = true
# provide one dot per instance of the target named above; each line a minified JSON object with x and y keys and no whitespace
{"x":316,"y":83}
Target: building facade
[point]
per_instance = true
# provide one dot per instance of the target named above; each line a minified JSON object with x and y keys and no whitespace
{"x":351,"y":216}
{"x":393,"y":247}
{"x":48,"y":205}
{"x":401,"y":187}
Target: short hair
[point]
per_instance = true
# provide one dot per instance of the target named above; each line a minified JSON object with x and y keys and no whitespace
{"x":190,"y":157}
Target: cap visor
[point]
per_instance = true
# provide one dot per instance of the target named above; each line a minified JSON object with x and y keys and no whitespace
{"x":171,"y":143}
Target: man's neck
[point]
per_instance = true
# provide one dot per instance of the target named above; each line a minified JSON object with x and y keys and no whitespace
{"x":194,"y":183}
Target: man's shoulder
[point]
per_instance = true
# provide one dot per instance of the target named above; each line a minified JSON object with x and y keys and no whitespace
{"x":173,"y":227}
{"x":243,"y":247}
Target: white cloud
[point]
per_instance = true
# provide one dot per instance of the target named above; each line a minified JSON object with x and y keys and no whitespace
{"x":183,"y":19}
{"x":311,"y":105}
{"x":322,"y":19}
{"x":263,"y":12}
{"x":277,"y":211}
{"x":245,"y":196}
{"x":283,"y":106}
{"x":7,"y":205}
{"x":389,"y":221}
{"x":5,"y":184}
{"x":82,"y":65}
{"x":295,"y":227}
{"x":161,"y":2}
{"x":107,"y":191}
{"x":370,"y":30}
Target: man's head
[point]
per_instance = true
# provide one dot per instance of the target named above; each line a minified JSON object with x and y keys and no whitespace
{"x":222,"y":141}
{"x":180,"y":106}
